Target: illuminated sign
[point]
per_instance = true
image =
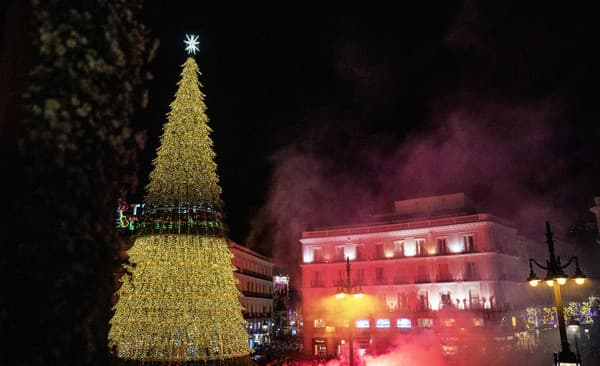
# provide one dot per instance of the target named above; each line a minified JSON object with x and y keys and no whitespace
{"x":403,"y":323}
{"x":281,"y":282}
{"x":382,"y":323}
{"x":284,"y":280}
{"x":362,"y":323}
{"x":128,"y":215}
{"x":425,"y":323}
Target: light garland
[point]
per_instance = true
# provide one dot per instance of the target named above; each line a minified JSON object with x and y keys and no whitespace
{"x":184,"y":169}
{"x":179,"y":299}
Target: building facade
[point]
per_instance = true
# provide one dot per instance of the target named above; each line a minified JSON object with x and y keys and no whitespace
{"x":255,"y":282}
{"x":432,"y":261}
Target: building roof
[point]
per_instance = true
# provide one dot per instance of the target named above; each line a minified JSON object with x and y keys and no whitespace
{"x":442,"y":210}
{"x":241,"y":248}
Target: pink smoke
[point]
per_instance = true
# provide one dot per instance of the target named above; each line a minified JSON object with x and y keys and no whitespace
{"x":501,"y":154}
{"x":421,"y":349}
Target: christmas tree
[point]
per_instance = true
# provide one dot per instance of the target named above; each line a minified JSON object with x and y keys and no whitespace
{"x":178,"y":301}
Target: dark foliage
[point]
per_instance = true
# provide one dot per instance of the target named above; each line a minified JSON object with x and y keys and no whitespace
{"x":73,"y":154}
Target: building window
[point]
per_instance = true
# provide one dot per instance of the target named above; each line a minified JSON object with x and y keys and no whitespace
{"x":449,"y":322}
{"x":474,"y":299}
{"x":445,"y":300}
{"x":362,"y":323}
{"x":443,"y":273}
{"x":340,"y":279}
{"x":340,"y":254}
{"x":379,"y":253}
{"x":360,"y":255}
{"x":468,"y":245}
{"x":442,"y":246}
{"x":423,"y":301}
{"x":319,"y":323}
{"x":399,"y":248}
{"x":317,"y":254}
{"x":422,"y":275}
{"x":471,"y":272}
{"x":379,"y":279}
{"x":411,"y":248}
{"x":317,"y":280}
{"x":403,"y":304}
{"x":401,"y":276}
{"x":425,"y":322}
{"x":382,"y":323}
{"x":359,"y":276}
{"x":420,"y":243}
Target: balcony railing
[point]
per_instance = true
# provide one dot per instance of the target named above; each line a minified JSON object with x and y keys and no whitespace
{"x":317,"y":283}
{"x":422,"y":279}
{"x":400,"y":280}
{"x":255,"y":274}
{"x":473,"y":276}
{"x":380,"y":282}
{"x":362,"y":229}
{"x":423,"y":307}
{"x":358,"y":283}
{"x":262,"y":295}
{"x":400,"y":254}
{"x":444,"y":277}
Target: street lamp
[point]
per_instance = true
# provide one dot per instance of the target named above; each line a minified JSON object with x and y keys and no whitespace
{"x":556,"y":277}
{"x":345,"y":289}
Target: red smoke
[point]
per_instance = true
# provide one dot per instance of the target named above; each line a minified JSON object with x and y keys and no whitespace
{"x":406,"y":350}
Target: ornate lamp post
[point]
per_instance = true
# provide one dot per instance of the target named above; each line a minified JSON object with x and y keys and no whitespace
{"x":346,"y":289}
{"x":556,"y":277}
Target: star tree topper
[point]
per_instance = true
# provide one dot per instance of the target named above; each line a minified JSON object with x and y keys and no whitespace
{"x":191,"y":42}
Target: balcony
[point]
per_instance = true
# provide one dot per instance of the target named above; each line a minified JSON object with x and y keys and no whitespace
{"x":401,"y":280}
{"x":317,"y":283}
{"x":422,"y":279}
{"x":471,"y":276}
{"x":255,"y":274}
{"x":358,"y":283}
{"x":444,"y":277}
{"x":380,"y":282}
{"x":261,"y":295}
{"x":423,"y":307}
{"x":318,"y":259}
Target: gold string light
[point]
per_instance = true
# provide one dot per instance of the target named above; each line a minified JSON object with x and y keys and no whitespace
{"x":179,"y":300}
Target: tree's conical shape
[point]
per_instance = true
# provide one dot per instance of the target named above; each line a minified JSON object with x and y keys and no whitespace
{"x":184,"y":169}
{"x":178,"y":300}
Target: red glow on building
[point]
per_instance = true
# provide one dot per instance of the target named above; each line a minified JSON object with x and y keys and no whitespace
{"x":432,"y":263}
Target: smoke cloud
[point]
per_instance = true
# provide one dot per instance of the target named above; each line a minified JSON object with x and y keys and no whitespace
{"x":518,"y":150}
{"x":505,"y":156}
{"x":418,"y":349}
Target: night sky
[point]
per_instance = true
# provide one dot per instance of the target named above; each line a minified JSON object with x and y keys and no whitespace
{"x":325,"y":115}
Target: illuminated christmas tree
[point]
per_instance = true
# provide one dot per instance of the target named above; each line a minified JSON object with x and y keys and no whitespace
{"x":178,"y":301}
